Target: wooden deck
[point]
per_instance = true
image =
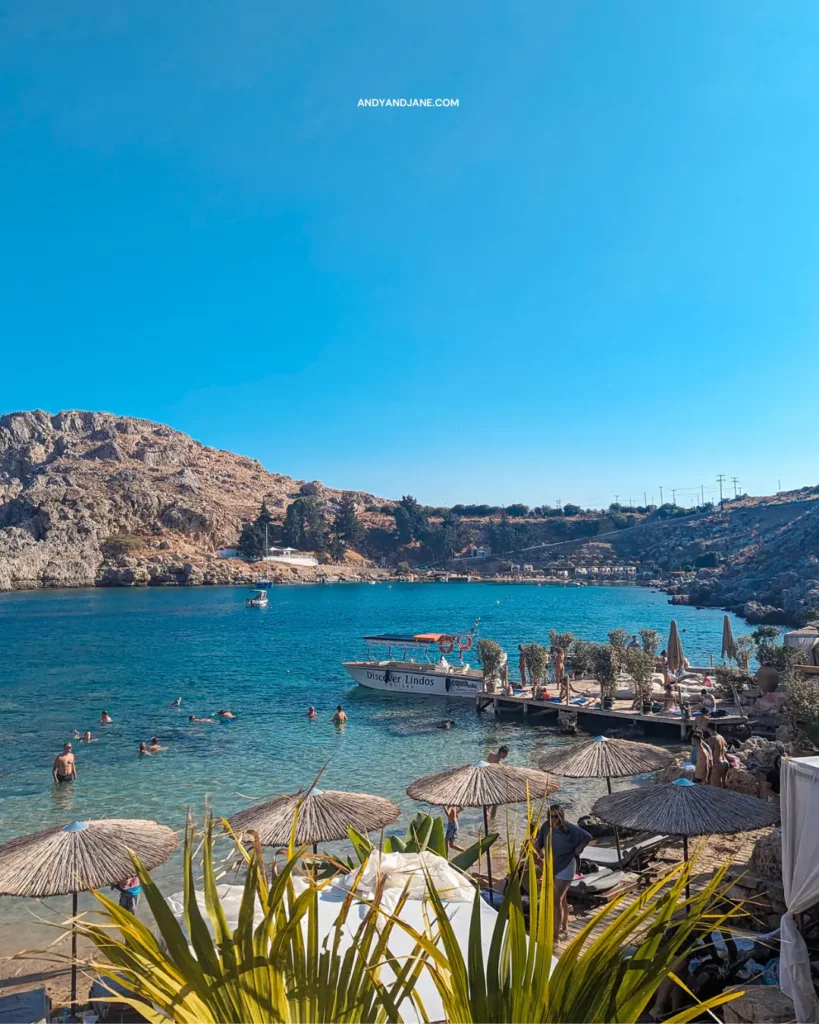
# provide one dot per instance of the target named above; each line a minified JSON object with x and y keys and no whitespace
{"x":620,"y":713}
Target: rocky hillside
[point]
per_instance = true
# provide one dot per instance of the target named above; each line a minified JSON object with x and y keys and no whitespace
{"x":89,"y":498}
{"x":757,"y":556}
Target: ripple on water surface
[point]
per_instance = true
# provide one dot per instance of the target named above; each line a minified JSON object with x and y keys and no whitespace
{"x":69,"y":654}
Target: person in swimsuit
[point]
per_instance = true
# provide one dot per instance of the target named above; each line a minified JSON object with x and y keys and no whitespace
{"x":193,"y":718}
{"x":129,"y":892}
{"x":451,"y":827}
{"x":522,"y":665}
{"x":704,"y":762}
{"x":311,"y":713}
{"x":226,"y":714}
{"x":719,"y":749}
{"x":339,"y":718}
{"x":64,"y":768}
{"x":155,"y":747}
{"x":105,"y":718}
{"x":143,"y":750}
{"x":496,"y":757}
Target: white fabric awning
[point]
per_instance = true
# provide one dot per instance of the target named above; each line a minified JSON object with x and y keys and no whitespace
{"x":799,"y":800}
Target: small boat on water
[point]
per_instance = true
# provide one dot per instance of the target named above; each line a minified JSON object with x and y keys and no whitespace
{"x":438,"y":678}
{"x":259,"y":599}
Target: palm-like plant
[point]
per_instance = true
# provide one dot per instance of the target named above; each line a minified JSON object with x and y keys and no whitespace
{"x":592,"y":980}
{"x":274,"y":966}
{"x":277,"y":970}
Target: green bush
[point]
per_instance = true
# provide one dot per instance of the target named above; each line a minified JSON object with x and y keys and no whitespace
{"x":537,"y":662}
{"x":802,"y":699}
{"x":122,"y":544}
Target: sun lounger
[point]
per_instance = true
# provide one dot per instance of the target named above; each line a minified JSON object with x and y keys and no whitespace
{"x":33,"y":1005}
{"x":601,"y":883}
{"x":634,"y":854}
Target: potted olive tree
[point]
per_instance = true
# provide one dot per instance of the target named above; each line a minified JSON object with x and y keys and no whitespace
{"x":605,"y":671}
{"x":490,"y":655}
{"x":640,"y":666}
{"x":537,"y":664}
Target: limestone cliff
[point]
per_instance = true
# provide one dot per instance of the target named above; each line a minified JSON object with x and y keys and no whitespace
{"x":90,"y":498}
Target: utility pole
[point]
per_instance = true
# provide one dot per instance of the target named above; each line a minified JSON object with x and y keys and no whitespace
{"x":702,"y":494}
{"x":661,"y":495}
{"x":735,"y":482}
{"x":630,"y":503}
{"x":674,"y":496}
{"x":779,"y":485}
{"x":616,"y":499}
{"x":720,"y":481}
{"x":645,"y":502}
{"x":559,"y":506}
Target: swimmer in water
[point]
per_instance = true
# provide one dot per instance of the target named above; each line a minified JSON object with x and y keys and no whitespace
{"x":446,"y":724}
{"x":193,"y":718}
{"x":176,"y":703}
{"x":143,"y":751}
{"x":155,"y":747}
{"x":105,"y":718}
{"x":84,"y":737}
{"x":64,"y":768}
{"x":311,"y":712}
{"x":339,"y":718}
{"x":226,"y":714}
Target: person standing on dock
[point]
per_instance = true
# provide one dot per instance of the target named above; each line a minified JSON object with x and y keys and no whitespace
{"x":719,"y":749}
{"x":704,"y":761}
{"x":559,"y":673}
{"x":522,"y":665}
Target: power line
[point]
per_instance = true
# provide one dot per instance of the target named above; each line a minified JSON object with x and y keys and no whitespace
{"x":735,"y":482}
{"x":720,"y":481}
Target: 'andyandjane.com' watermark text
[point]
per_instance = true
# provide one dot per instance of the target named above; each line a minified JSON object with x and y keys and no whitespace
{"x":408,"y":103}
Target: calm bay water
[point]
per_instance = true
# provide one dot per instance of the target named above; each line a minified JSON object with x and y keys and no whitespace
{"x":66,"y":655}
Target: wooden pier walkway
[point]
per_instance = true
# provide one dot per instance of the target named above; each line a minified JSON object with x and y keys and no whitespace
{"x":621,"y":713}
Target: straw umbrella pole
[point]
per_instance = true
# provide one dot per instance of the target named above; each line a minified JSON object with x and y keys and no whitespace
{"x":684,"y":809}
{"x":608,"y":759}
{"x":483,"y":785}
{"x":75,"y":858}
{"x":323,"y":815}
{"x":676,"y":658}
{"x":729,"y":647}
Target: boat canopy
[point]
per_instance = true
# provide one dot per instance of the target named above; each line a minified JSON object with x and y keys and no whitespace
{"x":408,"y":639}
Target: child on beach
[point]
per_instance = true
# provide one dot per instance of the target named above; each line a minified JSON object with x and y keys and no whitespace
{"x":452,"y":826}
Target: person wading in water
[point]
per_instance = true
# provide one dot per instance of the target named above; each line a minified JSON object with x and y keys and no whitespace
{"x":64,"y":768}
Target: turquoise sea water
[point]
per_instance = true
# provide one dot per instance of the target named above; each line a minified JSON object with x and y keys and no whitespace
{"x":66,"y":655}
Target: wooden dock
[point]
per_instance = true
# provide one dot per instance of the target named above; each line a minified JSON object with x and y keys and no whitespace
{"x":597,"y":717}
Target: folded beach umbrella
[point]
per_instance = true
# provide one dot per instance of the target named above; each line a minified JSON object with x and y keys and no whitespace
{"x":79,"y":857}
{"x":681,"y":808}
{"x":323,"y":816}
{"x":482,"y":784}
{"x":729,"y":647}
{"x":674,"y":651}
{"x":604,"y":758}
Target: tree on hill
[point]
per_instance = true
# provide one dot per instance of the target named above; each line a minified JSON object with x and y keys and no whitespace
{"x":305,"y":525}
{"x":572,"y":510}
{"x":517,"y":510}
{"x":253,"y":535}
{"x":347,"y":530}
{"x":410,"y":519}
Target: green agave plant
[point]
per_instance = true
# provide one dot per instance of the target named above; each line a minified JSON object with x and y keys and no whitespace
{"x":593,"y":979}
{"x":424,"y":833}
{"x":274,"y":971}
{"x":281,"y":970}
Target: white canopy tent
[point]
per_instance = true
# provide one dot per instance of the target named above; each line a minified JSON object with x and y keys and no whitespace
{"x":800,"y":876}
{"x":396,"y":869}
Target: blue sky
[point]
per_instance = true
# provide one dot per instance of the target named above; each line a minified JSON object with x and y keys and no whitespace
{"x":595,"y":276}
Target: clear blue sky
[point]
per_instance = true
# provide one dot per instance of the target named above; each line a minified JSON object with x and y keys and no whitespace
{"x":597,"y":275}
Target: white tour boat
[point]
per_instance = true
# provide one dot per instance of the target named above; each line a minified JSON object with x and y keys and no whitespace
{"x":439,"y":678}
{"x":259,"y":599}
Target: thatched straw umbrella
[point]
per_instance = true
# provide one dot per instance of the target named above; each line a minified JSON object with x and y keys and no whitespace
{"x":729,"y":647}
{"x":604,"y":758}
{"x":79,"y":857}
{"x":482,"y":785}
{"x":323,"y":815}
{"x":676,"y":658}
{"x":682,"y":808}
